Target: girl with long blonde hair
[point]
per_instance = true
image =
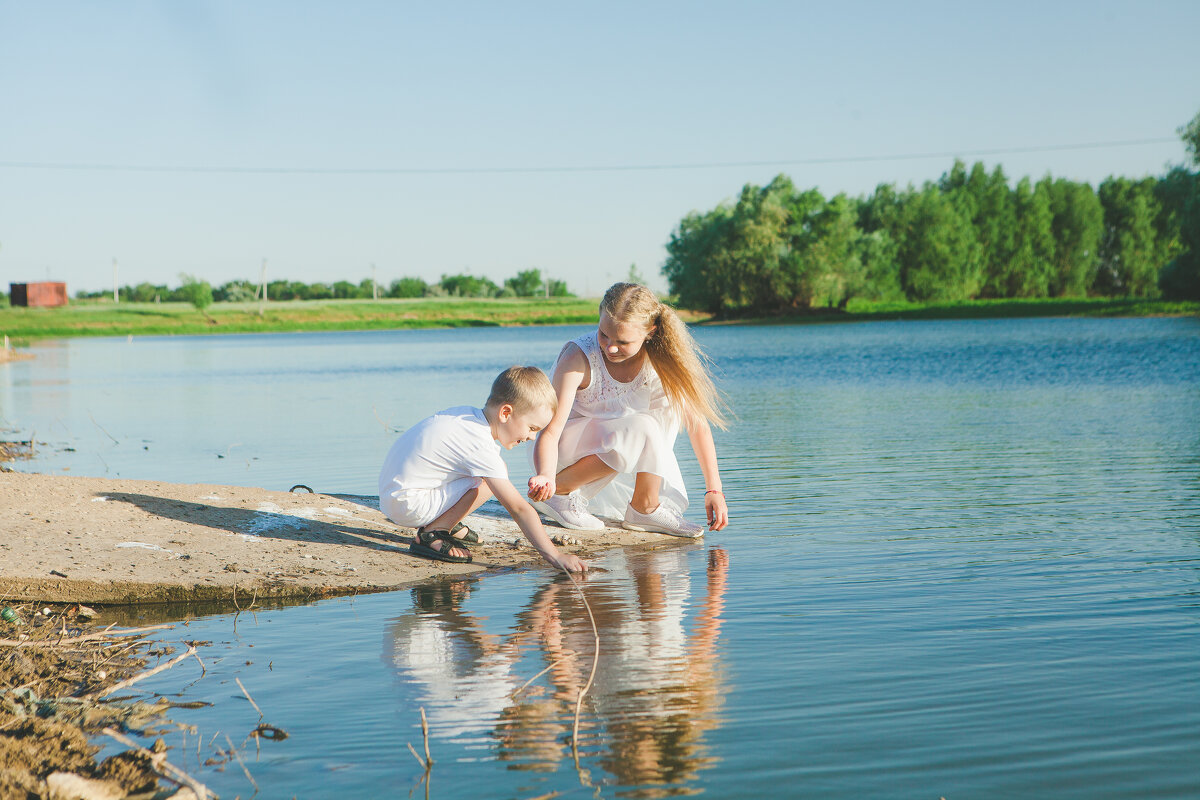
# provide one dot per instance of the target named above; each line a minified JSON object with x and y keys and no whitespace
{"x":623,"y":392}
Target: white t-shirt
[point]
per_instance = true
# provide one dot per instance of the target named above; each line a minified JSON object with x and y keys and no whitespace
{"x":452,"y":444}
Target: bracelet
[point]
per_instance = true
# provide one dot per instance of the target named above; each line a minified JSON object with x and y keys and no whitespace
{"x":714,"y":491}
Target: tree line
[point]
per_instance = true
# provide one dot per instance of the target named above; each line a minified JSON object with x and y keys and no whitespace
{"x":526,"y":283}
{"x":971,"y":234}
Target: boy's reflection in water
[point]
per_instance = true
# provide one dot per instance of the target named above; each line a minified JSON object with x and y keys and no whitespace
{"x":657,"y":690}
{"x":464,"y":675}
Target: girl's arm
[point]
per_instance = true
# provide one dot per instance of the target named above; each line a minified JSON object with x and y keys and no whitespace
{"x":570,"y":374}
{"x":715,"y":508}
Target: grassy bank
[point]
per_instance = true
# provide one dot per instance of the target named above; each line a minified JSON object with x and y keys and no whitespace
{"x":153,"y":319}
{"x":866,"y":311}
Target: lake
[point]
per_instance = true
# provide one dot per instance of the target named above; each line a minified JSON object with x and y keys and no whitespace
{"x":964,"y":561}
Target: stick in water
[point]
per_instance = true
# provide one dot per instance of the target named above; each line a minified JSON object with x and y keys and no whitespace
{"x":130,"y":681}
{"x":164,"y":767}
{"x":238,"y":681}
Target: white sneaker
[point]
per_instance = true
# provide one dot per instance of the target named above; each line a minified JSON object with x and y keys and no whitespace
{"x":570,"y":511}
{"x":663,"y":519}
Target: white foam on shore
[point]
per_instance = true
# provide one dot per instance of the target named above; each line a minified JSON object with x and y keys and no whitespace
{"x":271,"y":517}
{"x":146,"y":546}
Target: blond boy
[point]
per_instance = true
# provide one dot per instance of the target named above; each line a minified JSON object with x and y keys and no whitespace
{"x":449,"y":464}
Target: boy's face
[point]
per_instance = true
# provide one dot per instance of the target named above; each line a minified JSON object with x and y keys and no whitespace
{"x":513,"y":427}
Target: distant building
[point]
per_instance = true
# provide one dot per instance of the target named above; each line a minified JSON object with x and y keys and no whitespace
{"x":42,"y":293}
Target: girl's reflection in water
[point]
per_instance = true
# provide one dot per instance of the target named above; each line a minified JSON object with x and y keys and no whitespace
{"x":658,"y":684}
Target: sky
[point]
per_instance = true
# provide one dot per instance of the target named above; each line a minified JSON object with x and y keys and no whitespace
{"x":340,"y":140}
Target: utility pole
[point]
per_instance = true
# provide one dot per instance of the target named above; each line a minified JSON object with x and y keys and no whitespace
{"x":116,"y":297}
{"x":374,"y":285}
{"x":262,"y":302}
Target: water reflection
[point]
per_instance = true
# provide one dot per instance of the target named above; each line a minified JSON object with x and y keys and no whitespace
{"x":658,"y":684}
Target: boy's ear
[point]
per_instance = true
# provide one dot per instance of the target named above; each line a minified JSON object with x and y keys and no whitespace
{"x":504,"y":412}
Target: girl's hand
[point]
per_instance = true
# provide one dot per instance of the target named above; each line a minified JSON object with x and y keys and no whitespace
{"x":716,"y":510}
{"x":541,"y":488}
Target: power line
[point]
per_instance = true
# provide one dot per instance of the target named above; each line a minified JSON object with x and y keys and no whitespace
{"x":782,"y":162}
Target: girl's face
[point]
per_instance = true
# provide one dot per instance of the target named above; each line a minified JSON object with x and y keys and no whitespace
{"x":621,"y":341}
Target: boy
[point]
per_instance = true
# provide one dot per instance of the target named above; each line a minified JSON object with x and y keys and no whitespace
{"x":448,"y":465}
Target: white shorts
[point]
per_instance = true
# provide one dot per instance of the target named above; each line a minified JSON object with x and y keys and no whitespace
{"x":414,"y":508}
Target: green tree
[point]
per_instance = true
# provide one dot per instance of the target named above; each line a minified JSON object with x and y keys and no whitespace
{"x":407,"y":287}
{"x":939,"y":255}
{"x":696,"y":267}
{"x":827,"y":269}
{"x":994,"y":215}
{"x":235,"y":292}
{"x":197,"y":292}
{"x":1180,"y":193}
{"x":1077,"y":227}
{"x":1029,"y":269}
{"x":146,"y":292}
{"x":1190,"y":133}
{"x":468,"y":286}
{"x":749,"y":263}
{"x":318,"y":291}
{"x":1130,"y":250}
{"x":527,"y":283}
{"x":345,"y":290}
{"x":879,"y":221}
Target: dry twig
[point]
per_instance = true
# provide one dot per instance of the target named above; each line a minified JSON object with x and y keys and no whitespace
{"x":130,"y":681}
{"x":164,"y":767}
{"x":238,"y":681}
{"x":238,"y":756}
{"x":591,"y":677}
{"x":425,"y":733}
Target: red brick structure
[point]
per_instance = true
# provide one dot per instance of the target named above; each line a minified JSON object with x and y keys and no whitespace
{"x":42,"y":293}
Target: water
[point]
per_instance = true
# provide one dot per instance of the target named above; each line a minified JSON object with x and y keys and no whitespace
{"x":964,"y":562}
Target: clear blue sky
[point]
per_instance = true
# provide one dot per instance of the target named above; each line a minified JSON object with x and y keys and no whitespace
{"x":218,"y":94}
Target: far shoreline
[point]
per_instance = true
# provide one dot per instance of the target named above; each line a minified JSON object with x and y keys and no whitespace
{"x":94,"y":319}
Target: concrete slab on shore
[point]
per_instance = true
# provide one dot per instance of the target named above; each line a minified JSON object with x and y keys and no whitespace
{"x":95,"y":540}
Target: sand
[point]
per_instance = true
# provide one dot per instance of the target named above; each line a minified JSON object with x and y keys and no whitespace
{"x":105,"y":542}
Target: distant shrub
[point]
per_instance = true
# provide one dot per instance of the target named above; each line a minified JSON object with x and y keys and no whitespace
{"x":407,"y":287}
{"x":235,"y":292}
{"x":197,"y":292}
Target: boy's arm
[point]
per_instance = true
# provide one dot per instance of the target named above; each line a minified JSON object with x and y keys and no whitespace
{"x":570,"y":371}
{"x":531,"y":525}
{"x":715,"y":507}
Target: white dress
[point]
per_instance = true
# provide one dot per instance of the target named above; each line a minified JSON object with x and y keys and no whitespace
{"x":630,"y":426}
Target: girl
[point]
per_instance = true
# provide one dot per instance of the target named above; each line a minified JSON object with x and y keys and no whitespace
{"x":622,"y":392}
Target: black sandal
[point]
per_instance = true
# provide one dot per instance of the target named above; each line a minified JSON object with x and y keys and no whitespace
{"x":470,"y":537}
{"x":422,"y":546}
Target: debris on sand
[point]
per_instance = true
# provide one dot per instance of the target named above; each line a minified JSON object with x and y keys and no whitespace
{"x":55,"y":669}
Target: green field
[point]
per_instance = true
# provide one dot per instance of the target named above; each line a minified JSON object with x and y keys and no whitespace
{"x":87,"y":318}
{"x":91,"y":318}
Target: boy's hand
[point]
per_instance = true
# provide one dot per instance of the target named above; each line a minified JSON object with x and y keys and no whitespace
{"x":571,"y":562}
{"x":541,"y":488}
{"x":716,"y":510}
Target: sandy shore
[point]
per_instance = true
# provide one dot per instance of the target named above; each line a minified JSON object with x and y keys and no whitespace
{"x":93,"y":540}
